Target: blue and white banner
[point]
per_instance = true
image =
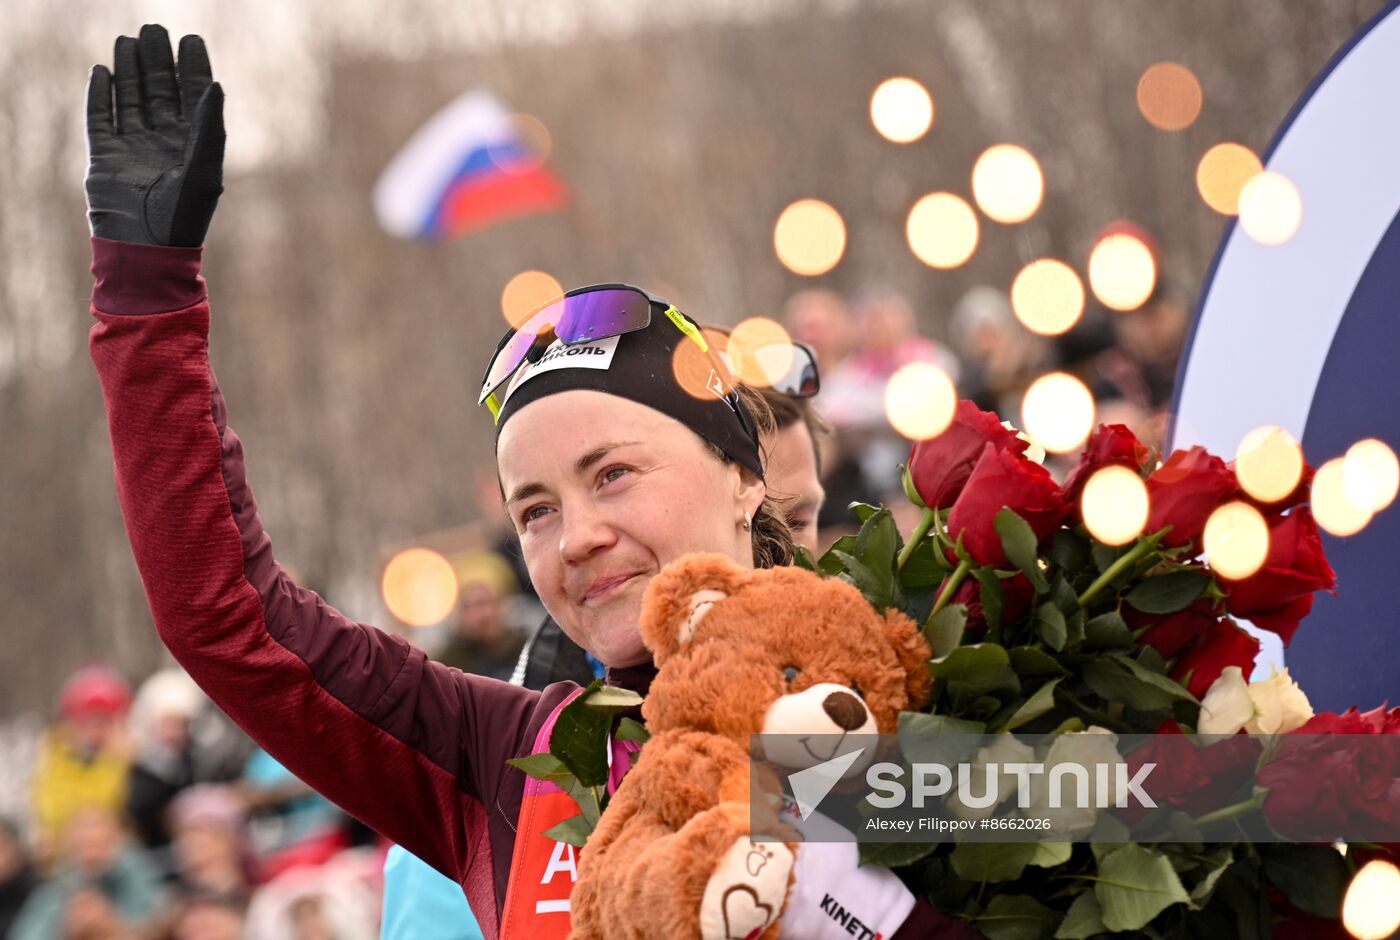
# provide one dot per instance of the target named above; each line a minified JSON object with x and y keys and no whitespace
{"x":1306,"y":335}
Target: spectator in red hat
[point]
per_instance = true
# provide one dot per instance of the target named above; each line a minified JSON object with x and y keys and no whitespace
{"x":85,"y":757}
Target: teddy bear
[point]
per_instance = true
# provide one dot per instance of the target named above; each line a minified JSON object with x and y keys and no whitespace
{"x":739,"y":652}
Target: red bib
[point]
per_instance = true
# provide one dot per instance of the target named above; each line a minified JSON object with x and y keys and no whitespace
{"x":543,"y":871}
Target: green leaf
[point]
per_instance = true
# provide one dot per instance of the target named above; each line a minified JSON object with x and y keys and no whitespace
{"x":1064,"y":596}
{"x":829,"y":562}
{"x":979,"y":669}
{"x":574,"y":831}
{"x":1166,"y":684}
{"x":1313,"y":878}
{"x":1084,"y":919}
{"x":1116,"y":682}
{"x":1032,"y":661}
{"x":542,"y":767}
{"x":1215,"y":866}
{"x":1107,"y":630}
{"x":1069,"y":551}
{"x":992,"y":596}
{"x":1019,"y":542}
{"x":1109,"y":834}
{"x":1168,"y":593}
{"x":1050,"y":623}
{"x":895,"y":854}
{"x":877,"y":585}
{"x":1038,"y":704}
{"x":802,"y":558}
{"x":611,"y":699}
{"x":580,"y":736}
{"x":1016,"y":917}
{"x":1050,"y":854}
{"x":1135,"y":885}
{"x":863,"y":511}
{"x":878,"y":541}
{"x":992,"y":861}
{"x":629,"y":729}
{"x":590,"y":800}
{"x":925,"y":567}
{"x":944,"y":630}
{"x":938,"y":739}
{"x":1105,"y":555}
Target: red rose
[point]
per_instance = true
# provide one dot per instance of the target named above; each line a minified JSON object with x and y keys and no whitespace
{"x":1184,"y":491}
{"x":1174,"y":632}
{"x":1016,"y":596}
{"x":1376,"y":721}
{"x":1299,"y":494}
{"x":1111,"y":445}
{"x":1203,"y":662}
{"x":1003,"y":480}
{"x":1279,"y":594}
{"x":941,"y":465}
{"x":1342,"y":784}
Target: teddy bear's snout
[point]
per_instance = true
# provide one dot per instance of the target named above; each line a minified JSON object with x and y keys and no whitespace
{"x":845,"y":709}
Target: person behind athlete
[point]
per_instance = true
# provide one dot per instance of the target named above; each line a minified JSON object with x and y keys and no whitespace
{"x":611,"y":470}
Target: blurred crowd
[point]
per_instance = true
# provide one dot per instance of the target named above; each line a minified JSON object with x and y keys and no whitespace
{"x":1127,"y":360}
{"x":152,"y":817}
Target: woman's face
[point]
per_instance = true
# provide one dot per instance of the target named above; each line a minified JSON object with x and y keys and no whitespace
{"x":603,"y":492}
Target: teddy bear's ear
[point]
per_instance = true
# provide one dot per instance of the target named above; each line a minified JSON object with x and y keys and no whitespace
{"x":679,"y":597}
{"x":914,"y":654}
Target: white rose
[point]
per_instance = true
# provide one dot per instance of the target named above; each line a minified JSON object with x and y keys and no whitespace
{"x":1077,"y":812}
{"x":1279,"y":705}
{"x":1003,"y":750}
{"x":1227,"y":706}
{"x":1274,"y":706}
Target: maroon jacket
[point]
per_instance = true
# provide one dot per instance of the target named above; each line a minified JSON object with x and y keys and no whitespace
{"x":414,"y":749}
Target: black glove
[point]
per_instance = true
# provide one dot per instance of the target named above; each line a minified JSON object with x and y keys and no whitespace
{"x":155,"y":173}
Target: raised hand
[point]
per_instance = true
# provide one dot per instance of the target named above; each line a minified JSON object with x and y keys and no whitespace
{"x":155,"y":162}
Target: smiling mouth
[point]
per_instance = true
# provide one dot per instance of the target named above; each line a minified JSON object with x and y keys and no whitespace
{"x":607,"y":588}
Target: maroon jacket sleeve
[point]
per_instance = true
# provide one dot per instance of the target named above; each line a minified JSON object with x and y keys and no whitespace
{"x":402,"y":743}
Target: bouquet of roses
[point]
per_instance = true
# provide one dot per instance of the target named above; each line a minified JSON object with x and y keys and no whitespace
{"x":1037,"y":626}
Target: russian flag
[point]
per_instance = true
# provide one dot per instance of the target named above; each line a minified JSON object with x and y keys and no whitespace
{"x":467,"y":168}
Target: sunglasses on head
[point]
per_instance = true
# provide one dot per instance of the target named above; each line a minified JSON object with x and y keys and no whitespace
{"x":787,"y":368}
{"x":583,"y":315}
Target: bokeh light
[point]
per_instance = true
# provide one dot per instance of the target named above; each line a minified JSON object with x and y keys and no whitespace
{"x":1269,"y":463}
{"x":1058,"y":412}
{"x":1222,"y":173}
{"x":538,"y":144}
{"x":809,"y":237}
{"x":1047,"y":297}
{"x":920,"y":400}
{"x":694,"y":370}
{"x":1114,"y":505}
{"x":760,"y":351}
{"x":1122,"y":272}
{"x":1169,"y":96}
{"x":1236,"y":540}
{"x":901,"y":110}
{"x":1371,"y":474}
{"x":1371,"y":908}
{"x":942,"y":230}
{"x":419,"y":587}
{"x":1332,"y":507}
{"x":1270,"y":208}
{"x":526,"y":291}
{"x":1007,"y":183}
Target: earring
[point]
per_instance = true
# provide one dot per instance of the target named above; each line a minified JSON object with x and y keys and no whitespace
{"x":748,"y":522}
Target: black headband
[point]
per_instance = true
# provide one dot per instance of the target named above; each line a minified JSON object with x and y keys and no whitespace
{"x":639,"y":366}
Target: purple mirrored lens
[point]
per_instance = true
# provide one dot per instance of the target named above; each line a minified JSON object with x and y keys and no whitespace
{"x":590,"y":315}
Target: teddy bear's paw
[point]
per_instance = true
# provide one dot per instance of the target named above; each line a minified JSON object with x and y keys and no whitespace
{"x":746,"y":892}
